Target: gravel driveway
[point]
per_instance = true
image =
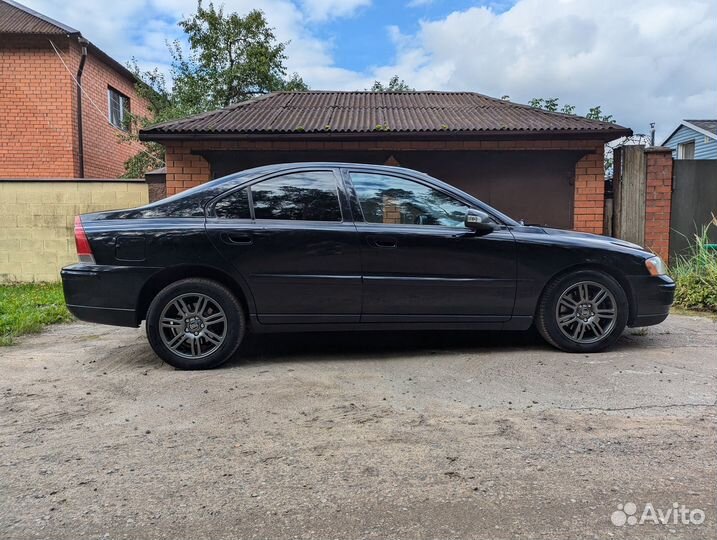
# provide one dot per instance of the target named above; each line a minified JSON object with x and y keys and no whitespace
{"x":358,"y":436}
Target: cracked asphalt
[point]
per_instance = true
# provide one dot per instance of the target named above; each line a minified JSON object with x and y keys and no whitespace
{"x":401,"y":435}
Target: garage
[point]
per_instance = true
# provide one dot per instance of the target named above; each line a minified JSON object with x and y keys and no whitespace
{"x":543,"y":167}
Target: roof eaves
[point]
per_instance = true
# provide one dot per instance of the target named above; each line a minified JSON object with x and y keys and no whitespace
{"x":433,"y":134}
{"x":699,"y":129}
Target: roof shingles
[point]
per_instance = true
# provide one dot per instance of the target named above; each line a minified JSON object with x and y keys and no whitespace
{"x":365,"y":112}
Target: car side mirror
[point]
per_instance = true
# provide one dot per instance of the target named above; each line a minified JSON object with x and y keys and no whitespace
{"x":479,"y":221}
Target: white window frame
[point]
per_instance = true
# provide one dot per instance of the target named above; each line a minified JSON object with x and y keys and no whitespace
{"x":682,"y":149}
{"x":123,"y":108}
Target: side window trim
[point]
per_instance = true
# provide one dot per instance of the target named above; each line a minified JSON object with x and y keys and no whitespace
{"x":210,"y":207}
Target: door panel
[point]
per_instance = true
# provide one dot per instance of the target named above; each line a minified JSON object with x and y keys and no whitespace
{"x":298,"y":270}
{"x":420,"y":262}
{"x":435,"y":273}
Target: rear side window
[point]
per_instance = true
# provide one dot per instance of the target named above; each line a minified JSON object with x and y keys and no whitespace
{"x":234,"y":206}
{"x":306,"y":196}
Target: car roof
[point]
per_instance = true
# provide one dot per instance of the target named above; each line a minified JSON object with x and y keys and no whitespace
{"x":321,"y":164}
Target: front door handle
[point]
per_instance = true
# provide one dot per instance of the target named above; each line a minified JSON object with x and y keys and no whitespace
{"x":383,"y":241}
{"x":236,"y":239}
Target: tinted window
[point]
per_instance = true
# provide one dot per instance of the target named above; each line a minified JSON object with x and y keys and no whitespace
{"x":234,"y":206}
{"x":393,"y":200}
{"x":308,"y":196}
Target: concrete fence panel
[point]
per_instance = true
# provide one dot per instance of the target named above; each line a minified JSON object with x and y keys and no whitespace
{"x":37,"y":221}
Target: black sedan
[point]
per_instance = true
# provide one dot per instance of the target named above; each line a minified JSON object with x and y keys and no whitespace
{"x":339,"y":246}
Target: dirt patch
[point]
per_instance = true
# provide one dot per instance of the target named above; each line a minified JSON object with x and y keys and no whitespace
{"x":357,"y":436}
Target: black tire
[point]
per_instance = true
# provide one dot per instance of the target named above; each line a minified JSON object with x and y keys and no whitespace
{"x":548,"y":312}
{"x":226,"y":339}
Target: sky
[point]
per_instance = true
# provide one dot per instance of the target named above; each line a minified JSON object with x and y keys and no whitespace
{"x":641,"y":60}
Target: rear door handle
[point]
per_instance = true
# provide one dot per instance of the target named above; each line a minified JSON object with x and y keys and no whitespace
{"x":383,"y":241}
{"x":236,"y":239}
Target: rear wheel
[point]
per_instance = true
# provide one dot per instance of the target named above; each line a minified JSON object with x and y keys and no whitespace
{"x":585,"y":311}
{"x":195,"y":324}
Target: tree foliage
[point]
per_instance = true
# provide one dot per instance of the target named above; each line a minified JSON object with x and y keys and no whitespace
{"x":394,"y":85}
{"x":553,"y":105}
{"x":230,"y":58}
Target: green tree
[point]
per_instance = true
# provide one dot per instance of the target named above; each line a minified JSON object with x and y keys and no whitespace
{"x":394,"y":85}
{"x":594,"y":113}
{"x":230,"y":58}
{"x":553,"y":105}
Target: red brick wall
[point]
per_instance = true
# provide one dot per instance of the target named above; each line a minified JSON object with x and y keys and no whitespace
{"x":185,"y":170}
{"x":105,"y":151}
{"x":590,"y":193}
{"x":658,"y":196}
{"x":35,"y":115}
{"x":38,"y":117}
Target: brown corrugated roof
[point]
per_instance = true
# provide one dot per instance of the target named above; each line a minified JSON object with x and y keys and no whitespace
{"x":18,"y":19}
{"x":379,"y":112}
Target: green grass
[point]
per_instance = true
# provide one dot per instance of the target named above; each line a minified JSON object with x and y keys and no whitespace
{"x":696,"y":274}
{"x":26,"y":308}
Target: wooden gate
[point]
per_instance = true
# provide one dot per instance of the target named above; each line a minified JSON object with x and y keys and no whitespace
{"x":629,"y":186}
{"x":694,"y":202}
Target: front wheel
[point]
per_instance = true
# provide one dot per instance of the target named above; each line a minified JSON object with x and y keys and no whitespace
{"x":585,"y":311}
{"x":195,"y":324}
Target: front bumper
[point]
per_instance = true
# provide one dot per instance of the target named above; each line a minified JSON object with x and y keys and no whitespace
{"x":652,"y":298}
{"x":104,"y":294}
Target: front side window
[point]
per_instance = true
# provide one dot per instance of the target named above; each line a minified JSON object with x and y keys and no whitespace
{"x":118,"y":108}
{"x":306,"y":196}
{"x":393,"y":200}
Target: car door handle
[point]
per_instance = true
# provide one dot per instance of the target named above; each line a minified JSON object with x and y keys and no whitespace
{"x":382,"y":241}
{"x":236,"y":239}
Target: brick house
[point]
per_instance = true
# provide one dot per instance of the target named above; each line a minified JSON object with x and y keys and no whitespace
{"x":543,"y":167}
{"x":49,"y":128}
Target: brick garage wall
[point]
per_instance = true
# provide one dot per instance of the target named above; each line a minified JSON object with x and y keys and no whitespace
{"x":37,"y":236}
{"x":658,"y":196}
{"x":35,"y":114}
{"x":185,"y":168}
{"x":38,"y":112}
{"x":590,"y":193}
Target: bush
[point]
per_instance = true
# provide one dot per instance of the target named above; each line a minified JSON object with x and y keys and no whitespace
{"x":696,"y":273}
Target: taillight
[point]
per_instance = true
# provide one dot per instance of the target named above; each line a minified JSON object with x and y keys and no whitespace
{"x":84,"y":250}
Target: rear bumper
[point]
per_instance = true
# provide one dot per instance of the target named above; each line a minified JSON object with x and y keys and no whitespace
{"x":653,"y":296}
{"x":104,"y":294}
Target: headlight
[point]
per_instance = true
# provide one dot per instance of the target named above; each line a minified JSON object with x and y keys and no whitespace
{"x":655,"y":266}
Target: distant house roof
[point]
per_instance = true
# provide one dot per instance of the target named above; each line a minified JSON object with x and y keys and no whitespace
{"x":324,"y":112}
{"x":705,"y":127}
{"x":16,"y":19}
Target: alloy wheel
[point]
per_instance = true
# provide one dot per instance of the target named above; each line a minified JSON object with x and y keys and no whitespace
{"x":193,"y":325}
{"x":586,"y":312}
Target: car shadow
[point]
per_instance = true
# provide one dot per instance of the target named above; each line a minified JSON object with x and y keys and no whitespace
{"x":333,"y":346}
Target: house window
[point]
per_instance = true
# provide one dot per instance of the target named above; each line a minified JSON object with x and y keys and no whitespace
{"x":118,"y":108}
{"x":686,"y":150}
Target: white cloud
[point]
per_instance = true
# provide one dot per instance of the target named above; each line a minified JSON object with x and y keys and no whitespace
{"x":642,"y":61}
{"x":322,"y":10}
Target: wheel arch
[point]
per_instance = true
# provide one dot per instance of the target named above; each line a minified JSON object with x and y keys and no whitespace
{"x":620,"y":277}
{"x":168,"y":276}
